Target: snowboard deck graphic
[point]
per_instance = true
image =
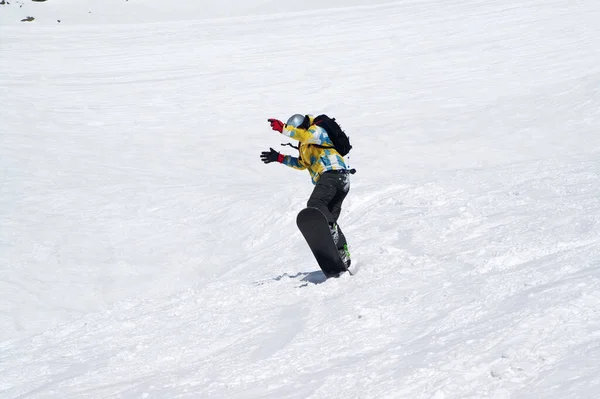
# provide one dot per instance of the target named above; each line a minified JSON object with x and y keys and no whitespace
{"x":315,"y":229}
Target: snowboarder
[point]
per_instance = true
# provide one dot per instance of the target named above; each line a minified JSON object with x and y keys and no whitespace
{"x":326,"y":166}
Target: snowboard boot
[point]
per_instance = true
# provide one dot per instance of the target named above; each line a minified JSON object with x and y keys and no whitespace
{"x":345,"y":255}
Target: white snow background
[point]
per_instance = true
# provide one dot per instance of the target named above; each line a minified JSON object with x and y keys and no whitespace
{"x":146,"y":252}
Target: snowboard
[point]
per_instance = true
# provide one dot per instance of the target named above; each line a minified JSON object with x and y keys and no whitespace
{"x":315,"y":229}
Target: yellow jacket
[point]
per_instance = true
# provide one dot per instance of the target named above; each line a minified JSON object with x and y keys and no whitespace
{"x":313,"y":155}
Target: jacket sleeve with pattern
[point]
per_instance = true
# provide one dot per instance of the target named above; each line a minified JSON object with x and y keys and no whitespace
{"x":293,"y":162}
{"x":313,"y":135}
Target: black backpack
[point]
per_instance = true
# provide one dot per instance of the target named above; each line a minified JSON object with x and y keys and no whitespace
{"x":341,"y":142}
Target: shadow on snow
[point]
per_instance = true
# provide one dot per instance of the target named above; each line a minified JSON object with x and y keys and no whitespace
{"x":316,"y":277}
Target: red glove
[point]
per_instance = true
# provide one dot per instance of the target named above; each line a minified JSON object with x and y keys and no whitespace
{"x":276,"y":124}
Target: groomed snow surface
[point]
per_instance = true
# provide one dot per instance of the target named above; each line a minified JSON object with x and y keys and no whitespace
{"x":146,"y":252}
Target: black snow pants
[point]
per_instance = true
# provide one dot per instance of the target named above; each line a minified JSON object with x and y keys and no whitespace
{"x":328,"y":195}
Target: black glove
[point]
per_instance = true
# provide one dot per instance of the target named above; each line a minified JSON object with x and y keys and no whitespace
{"x":271,"y":156}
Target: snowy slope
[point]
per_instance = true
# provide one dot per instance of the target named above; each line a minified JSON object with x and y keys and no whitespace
{"x":145,"y":251}
{"x":86,"y":12}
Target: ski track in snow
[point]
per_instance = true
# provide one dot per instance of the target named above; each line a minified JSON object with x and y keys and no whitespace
{"x":149,"y":254}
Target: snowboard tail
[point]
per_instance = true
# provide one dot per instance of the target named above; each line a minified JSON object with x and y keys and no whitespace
{"x":315,"y":229}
